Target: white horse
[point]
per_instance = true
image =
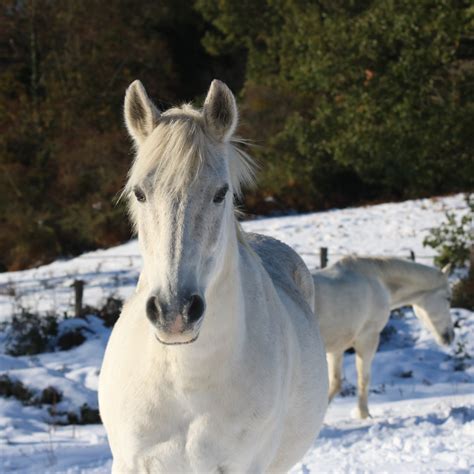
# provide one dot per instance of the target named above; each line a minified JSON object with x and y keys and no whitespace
{"x":216,"y":364}
{"x":353,"y":300}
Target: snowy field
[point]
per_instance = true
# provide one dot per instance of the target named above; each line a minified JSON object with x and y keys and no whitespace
{"x":422,"y":395}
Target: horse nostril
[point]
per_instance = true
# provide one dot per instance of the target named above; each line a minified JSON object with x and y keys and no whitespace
{"x":152,"y":310}
{"x":195,"y":308}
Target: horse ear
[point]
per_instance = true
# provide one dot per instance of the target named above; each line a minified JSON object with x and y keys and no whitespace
{"x":141,"y":115}
{"x":447,"y":269}
{"x":220,"y":111}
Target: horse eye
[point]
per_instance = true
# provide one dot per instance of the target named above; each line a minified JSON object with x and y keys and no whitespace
{"x":139,"y":194}
{"x":220,"y":195}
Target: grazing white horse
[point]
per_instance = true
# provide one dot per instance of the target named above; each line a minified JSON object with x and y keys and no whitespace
{"x":353,"y":300}
{"x":216,"y":364}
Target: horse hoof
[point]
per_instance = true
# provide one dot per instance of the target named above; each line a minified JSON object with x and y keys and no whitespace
{"x":363,"y":415}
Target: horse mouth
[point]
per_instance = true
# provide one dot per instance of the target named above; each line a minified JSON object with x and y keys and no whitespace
{"x":176,"y":343}
{"x":178,"y":334}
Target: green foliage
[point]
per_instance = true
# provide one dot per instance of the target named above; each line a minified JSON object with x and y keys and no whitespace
{"x":453,"y":239}
{"x":355,"y":100}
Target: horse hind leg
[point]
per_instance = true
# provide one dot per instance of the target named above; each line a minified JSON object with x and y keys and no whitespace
{"x":365,"y":348}
{"x":334,"y":360}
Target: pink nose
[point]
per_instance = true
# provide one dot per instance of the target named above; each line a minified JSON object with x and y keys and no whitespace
{"x":177,"y":325}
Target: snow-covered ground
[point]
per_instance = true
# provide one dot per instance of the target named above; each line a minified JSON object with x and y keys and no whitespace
{"x":422,"y":395}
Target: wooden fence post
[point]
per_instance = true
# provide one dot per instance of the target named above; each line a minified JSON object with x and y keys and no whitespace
{"x":78,"y":294}
{"x":323,"y":256}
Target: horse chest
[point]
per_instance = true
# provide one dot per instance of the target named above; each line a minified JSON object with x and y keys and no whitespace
{"x":175,"y":435}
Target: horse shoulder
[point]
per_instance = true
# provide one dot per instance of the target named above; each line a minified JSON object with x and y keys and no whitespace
{"x":347,"y":301}
{"x":285,"y":267}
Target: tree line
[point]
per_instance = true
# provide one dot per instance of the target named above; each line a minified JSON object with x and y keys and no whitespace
{"x":347,"y":103}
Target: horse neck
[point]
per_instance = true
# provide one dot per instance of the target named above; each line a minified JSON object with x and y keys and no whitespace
{"x":406,"y":281}
{"x":224,"y":295}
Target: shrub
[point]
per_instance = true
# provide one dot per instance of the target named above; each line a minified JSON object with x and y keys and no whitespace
{"x":30,"y":334}
{"x":461,"y":357}
{"x":14,"y":389}
{"x":453,"y":238}
{"x":110,"y":312}
{"x":11,"y":388}
{"x":463,"y":292}
{"x":87,"y":416}
{"x":70,"y":339}
{"x":49,"y":396}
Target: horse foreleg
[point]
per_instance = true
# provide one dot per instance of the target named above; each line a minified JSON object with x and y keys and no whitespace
{"x":334,"y":360}
{"x":365,"y":348}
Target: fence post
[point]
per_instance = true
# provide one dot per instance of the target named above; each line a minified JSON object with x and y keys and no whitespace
{"x":323,"y":255}
{"x":78,"y":294}
{"x":412,"y":255}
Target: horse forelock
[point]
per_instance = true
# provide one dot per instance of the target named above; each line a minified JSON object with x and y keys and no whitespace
{"x":178,"y":148}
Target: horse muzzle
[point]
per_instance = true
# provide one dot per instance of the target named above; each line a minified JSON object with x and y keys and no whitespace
{"x":176,"y":323}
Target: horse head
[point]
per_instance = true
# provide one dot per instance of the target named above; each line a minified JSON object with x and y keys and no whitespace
{"x":180,"y":190}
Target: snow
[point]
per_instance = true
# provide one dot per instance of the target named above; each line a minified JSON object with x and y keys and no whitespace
{"x":422,"y":395}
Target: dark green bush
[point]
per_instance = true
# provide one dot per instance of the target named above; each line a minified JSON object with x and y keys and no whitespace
{"x":11,"y":388}
{"x":14,"y":389}
{"x":452,"y":239}
{"x":49,"y":396}
{"x":70,"y":339}
{"x":29,"y":333}
{"x":353,"y":101}
{"x":87,"y":416}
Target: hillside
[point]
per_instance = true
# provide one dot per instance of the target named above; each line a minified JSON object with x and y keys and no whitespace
{"x":422,"y":395}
